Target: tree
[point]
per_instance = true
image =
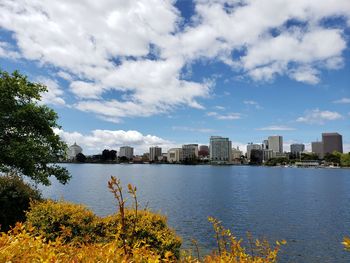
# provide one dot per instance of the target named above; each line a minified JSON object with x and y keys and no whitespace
{"x":28,"y":144}
{"x":80,"y":157}
{"x":105,"y":155}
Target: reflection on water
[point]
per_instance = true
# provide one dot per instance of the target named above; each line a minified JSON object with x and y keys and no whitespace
{"x":307,"y":207}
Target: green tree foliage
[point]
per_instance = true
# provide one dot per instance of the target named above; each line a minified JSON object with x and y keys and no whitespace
{"x":80,"y":157}
{"x":309,"y":157}
{"x":15,"y":196}
{"x":332,"y":158}
{"x":345,"y":159}
{"x":28,"y":144}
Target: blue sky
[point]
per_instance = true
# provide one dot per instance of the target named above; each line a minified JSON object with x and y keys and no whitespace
{"x":161,"y":72}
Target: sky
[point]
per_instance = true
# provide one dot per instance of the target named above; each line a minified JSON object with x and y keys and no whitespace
{"x":163,"y":72}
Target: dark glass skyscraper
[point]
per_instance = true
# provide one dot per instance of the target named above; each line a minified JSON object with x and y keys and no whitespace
{"x":332,"y":142}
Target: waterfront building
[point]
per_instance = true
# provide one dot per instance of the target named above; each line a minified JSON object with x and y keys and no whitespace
{"x":265,"y":144}
{"x":189,"y":152}
{"x":275,"y":143}
{"x":332,"y":142}
{"x":220,"y":149}
{"x":155,"y":153}
{"x":267,"y":155}
{"x":317,"y":148}
{"x":203,"y":151}
{"x":236,"y":153}
{"x":126,"y":151}
{"x":297,"y":148}
{"x":251,"y":146}
{"x":174,"y":155}
{"x":73,"y":150}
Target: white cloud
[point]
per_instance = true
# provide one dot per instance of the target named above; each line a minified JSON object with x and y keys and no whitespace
{"x":97,"y":140}
{"x":342,"y":101}
{"x":136,"y":50}
{"x":317,"y":116}
{"x":252,"y":103}
{"x":192,"y":129}
{"x":276,"y":128}
{"x":54,"y":93}
{"x":219,"y":107}
{"x":228,"y":116}
{"x":7,"y":52}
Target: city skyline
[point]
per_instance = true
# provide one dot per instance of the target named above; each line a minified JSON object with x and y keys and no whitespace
{"x":208,"y":69}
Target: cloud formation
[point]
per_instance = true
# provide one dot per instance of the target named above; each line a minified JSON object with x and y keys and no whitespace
{"x":137,"y":50}
{"x":276,"y":128}
{"x":317,"y":116}
{"x":342,"y":101}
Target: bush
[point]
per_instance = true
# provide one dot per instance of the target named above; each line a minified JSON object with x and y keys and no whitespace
{"x":15,"y":196}
{"x":76,"y":224}
{"x":71,"y":222}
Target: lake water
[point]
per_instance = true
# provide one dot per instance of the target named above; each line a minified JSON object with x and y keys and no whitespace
{"x":309,"y":208}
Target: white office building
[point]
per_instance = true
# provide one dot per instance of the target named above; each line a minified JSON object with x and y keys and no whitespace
{"x":126,"y":151}
{"x":155,"y":154}
{"x":174,"y":155}
{"x":73,"y":150}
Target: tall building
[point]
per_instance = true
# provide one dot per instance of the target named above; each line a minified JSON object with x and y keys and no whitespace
{"x":332,"y":142}
{"x":174,"y":155}
{"x":155,"y":153}
{"x":73,"y":150}
{"x":275,"y":143}
{"x":265,"y":144}
{"x":220,"y":149}
{"x":317,"y":148}
{"x":297,"y":148}
{"x":190,"y":152}
{"x":126,"y":151}
{"x":251,"y":146}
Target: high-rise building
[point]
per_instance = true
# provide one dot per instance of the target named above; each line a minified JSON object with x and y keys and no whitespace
{"x":332,"y":142}
{"x":174,"y":155}
{"x":275,"y":143}
{"x":297,"y":148}
{"x":251,"y":146}
{"x":155,"y":153}
{"x":265,"y":144}
{"x":220,"y":149}
{"x":126,"y":151}
{"x":317,"y":148}
{"x":189,"y":152}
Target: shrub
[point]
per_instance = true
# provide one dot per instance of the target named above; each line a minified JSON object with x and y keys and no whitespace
{"x":71,"y":222}
{"x":76,"y":224}
{"x":15,"y":196}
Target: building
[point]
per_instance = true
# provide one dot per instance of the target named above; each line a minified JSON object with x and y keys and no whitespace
{"x":220,"y":149}
{"x":126,"y":151}
{"x":297,"y":148}
{"x":267,"y":155}
{"x":189,"y":152}
{"x":174,"y":155}
{"x":275,"y":143}
{"x":265,"y":144}
{"x":251,"y":146}
{"x":73,"y":150}
{"x":236,"y":153}
{"x":155,"y":154}
{"x":203,"y":151}
{"x":317,"y":148}
{"x":332,"y":142}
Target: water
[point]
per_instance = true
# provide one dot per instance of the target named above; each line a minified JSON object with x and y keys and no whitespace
{"x":307,"y":207}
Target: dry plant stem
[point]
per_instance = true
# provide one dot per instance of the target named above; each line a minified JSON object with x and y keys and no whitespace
{"x":132,"y":191}
{"x":115,"y":187}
